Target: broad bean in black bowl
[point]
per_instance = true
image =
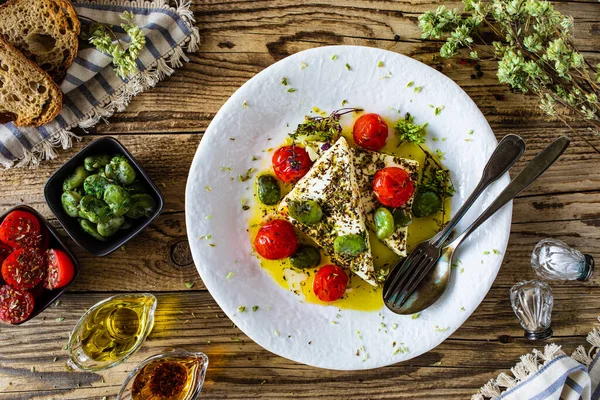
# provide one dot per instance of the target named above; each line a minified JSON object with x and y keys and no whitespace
{"x":103,"y":197}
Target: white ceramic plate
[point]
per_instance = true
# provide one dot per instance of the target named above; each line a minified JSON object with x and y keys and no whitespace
{"x":213,"y":204}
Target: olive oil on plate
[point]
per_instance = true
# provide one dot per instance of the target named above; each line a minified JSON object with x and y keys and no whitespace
{"x":359,"y":294}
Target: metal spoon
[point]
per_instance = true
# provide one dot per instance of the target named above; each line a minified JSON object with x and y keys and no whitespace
{"x":435,"y":283}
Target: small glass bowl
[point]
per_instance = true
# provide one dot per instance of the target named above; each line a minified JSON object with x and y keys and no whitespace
{"x":197,"y":362}
{"x":143,"y":305}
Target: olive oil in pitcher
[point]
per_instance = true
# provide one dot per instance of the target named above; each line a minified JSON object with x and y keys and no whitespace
{"x":111,"y":331}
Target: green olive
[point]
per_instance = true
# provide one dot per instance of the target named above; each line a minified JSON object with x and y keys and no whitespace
{"x":91,"y":229}
{"x":268,"y":190}
{"x":384,"y":222}
{"x":117,"y":198}
{"x":308,"y":212}
{"x":142,"y":205}
{"x":94,"y":185}
{"x":120,"y":170}
{"x":426,"y":203}
{"x":351,"y":245}
{"x":306,"y":257}
{"x":76,"y":179}
{"x":92,"y":163}
{"x":94,"y":210}
{"x":70,"y":202}
{"x":110,"y":227}
{"x":402,"y":217}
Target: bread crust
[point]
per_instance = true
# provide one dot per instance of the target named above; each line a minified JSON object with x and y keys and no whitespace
{"x":66,"y":5}
{"x":62,"y":26}
{"x":54,"y":99}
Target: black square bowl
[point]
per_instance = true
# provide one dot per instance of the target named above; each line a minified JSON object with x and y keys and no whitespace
{"x":53,"y":192}
{"x":44,"y":298}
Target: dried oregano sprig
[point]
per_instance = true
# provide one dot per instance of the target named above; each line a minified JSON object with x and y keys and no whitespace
{"x":322,"y":128}
{"x":105,"y":40}
{"x":534,"y":46}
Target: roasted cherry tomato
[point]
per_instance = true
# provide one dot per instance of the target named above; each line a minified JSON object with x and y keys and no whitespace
{"x":276,"y":240}
{"x":4,"y":252}
{"x":370,"y":132}
{"x":330,"y":283}
{"x":393,"y":186}
{"x":15,"y":305}
{"x":23,"y":268}
{"x":60,"y":269}
{"x":21,"y":229}
{"x":291,"y":163}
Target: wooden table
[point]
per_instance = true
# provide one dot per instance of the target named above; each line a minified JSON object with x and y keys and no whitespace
{"x":163,"y":127}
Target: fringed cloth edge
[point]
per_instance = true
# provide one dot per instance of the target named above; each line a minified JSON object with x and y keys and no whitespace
{"x":532,"y":362}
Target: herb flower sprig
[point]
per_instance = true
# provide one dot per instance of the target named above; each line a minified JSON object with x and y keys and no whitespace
{"x":105,"y":40}
{"x":534,"y":46}
{"x":327,"y":128}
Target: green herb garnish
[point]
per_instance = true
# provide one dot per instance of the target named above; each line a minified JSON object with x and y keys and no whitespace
{"x":410,"y":132}
{"x":105,"y":40}
{"x":322,"y":128}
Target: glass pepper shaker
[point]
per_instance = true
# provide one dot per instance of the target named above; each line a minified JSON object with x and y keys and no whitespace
{"x":553,"y":259}
{"x":532,"y":303}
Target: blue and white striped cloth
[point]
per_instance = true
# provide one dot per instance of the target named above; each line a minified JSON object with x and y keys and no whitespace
{"x":92,"y":90}
{"x":551,"y":375}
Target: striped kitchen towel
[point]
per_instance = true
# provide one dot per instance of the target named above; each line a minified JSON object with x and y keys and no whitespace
{"x":92,"y":90}
{"x":551,"y":375}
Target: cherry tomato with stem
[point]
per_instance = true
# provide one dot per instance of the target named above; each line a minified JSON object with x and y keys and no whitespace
{"x":291,"y":163}
{"x":15,"y":305}
{"x":276,"y":240}
{"x":21,"y":229}
{"x":393,"y":186}
{"x":23,"y":268}
{"x":370,"y":132}
{"x":330,"y":283}
{"x":60,"y":269}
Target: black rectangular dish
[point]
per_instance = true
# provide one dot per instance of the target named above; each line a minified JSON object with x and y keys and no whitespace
{"x":54,"y":190}
{"x":45,"y":298}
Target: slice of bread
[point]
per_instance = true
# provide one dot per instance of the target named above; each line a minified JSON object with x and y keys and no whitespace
{"x":28,"y":95}
{"x":45,"y":31}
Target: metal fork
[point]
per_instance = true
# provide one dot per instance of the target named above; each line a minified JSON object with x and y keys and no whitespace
{"x":431,"y":288}
{"x":405,"y":274}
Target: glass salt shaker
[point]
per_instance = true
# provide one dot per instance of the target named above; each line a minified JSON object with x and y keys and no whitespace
{"x":553,"y":259}
{"x":532,"y":303}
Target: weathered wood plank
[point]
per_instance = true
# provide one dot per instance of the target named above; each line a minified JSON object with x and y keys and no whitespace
{"x":489,"y":341}
{"x":169,"y":265}
{"x":167,"y":159}
{"x":241,"y":38}
{"x":190,"y":98}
